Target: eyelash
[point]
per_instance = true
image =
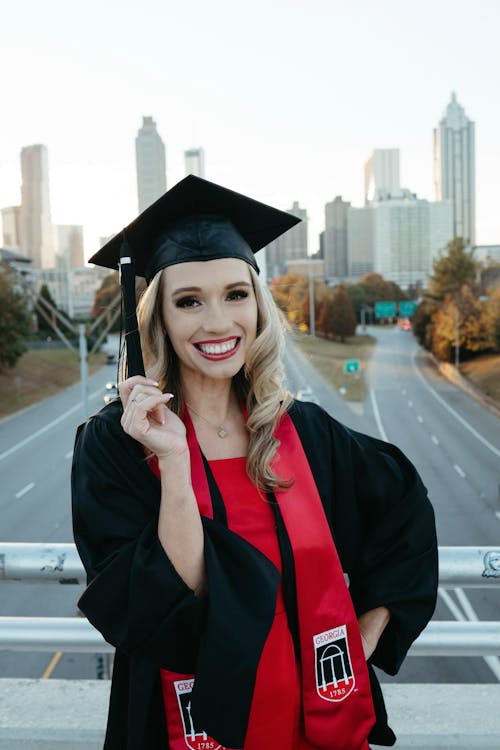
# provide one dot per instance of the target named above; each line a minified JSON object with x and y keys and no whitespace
{"x":233,"y":296}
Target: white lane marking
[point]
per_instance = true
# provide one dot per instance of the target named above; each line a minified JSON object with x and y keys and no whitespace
{"x":452,"y":411}
{"x":376,"y":414}
{"x":69,"y":454}
{"x":404,"y":391}
{"x":25,"y":490}
{"x":497,"y":513}
{"x":459,"y":470}
{"x":45,"y":428}
{"x":434,"y":440}
{"x":420,"y":419}
{"x":492,"y":661}
{"x":410,"y":404}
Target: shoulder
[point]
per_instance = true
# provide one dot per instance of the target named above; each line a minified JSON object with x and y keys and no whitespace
{"x":324,"y":436}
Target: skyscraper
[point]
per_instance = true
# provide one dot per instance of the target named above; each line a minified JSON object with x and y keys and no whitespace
{"x":335,"y":238}
{"x":454,"y":168}
{"x":150,"y":163}
{"x":69,"y":246}
{"x":35,"y":221}
{"x":381,"y":174}
{"x":290,"y":246}
{"x":11,"y":226}
{"x":194,"y":160}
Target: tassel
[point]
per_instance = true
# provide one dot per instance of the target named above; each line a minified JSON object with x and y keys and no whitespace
{"x":135,"y":364}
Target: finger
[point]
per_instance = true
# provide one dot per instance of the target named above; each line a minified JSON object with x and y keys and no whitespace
{"x":140,"y":392}
{"x":152,"y":398}
{"x":133,"y":422}
{"x":126,"y":386}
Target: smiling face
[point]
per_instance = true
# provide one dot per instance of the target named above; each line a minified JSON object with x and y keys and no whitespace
{"x":210,"y":315}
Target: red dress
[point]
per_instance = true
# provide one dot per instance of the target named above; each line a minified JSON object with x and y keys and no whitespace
{"x":275,"y":715}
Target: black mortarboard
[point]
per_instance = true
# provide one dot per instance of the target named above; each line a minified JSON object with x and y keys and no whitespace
{"x":194,"y":220}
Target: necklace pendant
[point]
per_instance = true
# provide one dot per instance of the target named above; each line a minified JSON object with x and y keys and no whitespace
{"x":221,"y":432}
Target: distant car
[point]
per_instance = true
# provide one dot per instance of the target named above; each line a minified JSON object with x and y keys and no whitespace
{"x":111,"y":393}
{"x":306,"y":394}
{"x":110,"y":359}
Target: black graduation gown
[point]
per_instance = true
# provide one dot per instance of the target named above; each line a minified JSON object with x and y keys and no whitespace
{"x":382,"y":523}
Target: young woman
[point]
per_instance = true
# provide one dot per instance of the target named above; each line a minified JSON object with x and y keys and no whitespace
{"x":249,"y":557}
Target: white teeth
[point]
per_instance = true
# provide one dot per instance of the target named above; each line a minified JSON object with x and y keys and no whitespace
{"x":218,"y":348}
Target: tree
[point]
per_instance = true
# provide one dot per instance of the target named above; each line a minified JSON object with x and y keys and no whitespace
{"x":421,"y":322}
{"x":493,"y":314}
{"x":461,"y":313}
{"x":337,"y":316}
{"x":371,"y":288}
{"x":452,"y":270}
{"x":15,"y":321}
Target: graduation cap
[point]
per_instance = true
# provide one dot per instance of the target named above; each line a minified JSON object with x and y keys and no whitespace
{"x":195,"y":220}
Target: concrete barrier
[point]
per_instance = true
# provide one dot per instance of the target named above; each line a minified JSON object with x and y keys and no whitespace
{"x":71,"y":715}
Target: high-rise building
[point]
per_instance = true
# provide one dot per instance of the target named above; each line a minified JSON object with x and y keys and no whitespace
{"x":290,"y":246}
{"x":36,"y":234}
{"x":194,"y":160}
{"x":69,"y":246}
{"x":381,"y":174}
{"x":398,"y":237}
{"x":150,"y":163}
{"x":335,"y":238}
{"x":11,"y":227}
{"x":454,"y":168}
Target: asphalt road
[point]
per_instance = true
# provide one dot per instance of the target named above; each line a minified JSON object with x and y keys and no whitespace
{"x":457,"y":453}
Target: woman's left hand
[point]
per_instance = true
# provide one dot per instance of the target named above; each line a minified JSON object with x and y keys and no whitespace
{"x":371,"y":626}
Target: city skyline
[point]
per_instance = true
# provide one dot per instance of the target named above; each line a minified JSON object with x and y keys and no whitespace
{"x":266,"y":122}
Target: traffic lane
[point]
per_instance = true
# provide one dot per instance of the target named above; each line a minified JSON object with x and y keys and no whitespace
{"x":406,"y":417}
{"x":301,"y":373}
{"x":485,"y":421}
{"x":461,"y":510}
{"x":20,"y":427}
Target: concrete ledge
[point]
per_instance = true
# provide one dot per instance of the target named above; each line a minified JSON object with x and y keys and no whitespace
{"x":71,"y":715}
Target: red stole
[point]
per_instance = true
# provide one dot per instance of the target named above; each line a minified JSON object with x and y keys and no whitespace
{"x":336,"y":697}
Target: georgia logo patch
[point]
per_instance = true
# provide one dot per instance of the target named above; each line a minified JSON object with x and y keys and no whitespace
{"x":334,"y":673}
{"x":194,"y":738}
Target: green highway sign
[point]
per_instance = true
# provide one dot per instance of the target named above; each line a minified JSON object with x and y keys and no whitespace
{"x":385,"y":309}
{"x":407,"y":308}
{"x":351,"y":365}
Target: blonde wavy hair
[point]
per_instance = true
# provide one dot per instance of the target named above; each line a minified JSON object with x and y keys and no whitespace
{"x":259,"y":384}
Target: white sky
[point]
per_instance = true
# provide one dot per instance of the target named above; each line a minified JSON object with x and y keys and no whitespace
{"x":287,"y":98}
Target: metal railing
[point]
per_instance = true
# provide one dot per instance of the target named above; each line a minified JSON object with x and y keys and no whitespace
{"x":59,"y":563}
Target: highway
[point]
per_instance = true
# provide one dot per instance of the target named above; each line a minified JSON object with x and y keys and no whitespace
{"x":454,"y":443}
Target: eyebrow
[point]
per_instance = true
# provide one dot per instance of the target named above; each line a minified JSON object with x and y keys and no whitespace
{"x":184,"y":289}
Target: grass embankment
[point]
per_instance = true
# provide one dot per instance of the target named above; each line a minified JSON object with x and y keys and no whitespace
{"x":40,"y":373}
{"x":328,"y":357}
{"x":484,"y":373}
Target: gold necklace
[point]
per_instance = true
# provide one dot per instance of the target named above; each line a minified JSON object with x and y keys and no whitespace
{"x":221,"y":430}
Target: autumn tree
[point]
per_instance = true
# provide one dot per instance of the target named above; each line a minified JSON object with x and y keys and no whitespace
{"x":15,"y":321}
{"x":451,"y":271}
{"x":464,"y":314}
{"x":371,"y":288}
{"x":337,"y":316}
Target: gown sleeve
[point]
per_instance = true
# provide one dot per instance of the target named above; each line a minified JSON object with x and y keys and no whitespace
{"x":397,"y":561}
{"x":134,"y":597}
